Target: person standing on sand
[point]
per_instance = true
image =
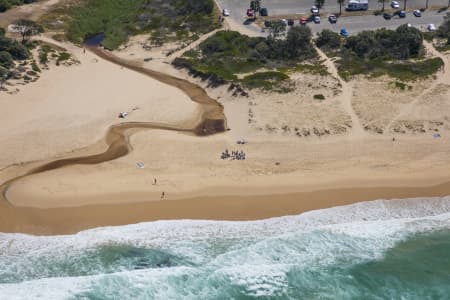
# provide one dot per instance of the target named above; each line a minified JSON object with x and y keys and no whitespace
{"x":162,"y":195}
{"x":154,"y":181}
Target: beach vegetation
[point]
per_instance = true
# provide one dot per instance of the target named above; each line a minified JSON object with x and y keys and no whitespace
{"x":319,"y":97}
{"x":119,"y":19}
{"x":6,"y":60}
{"x":7,"y":4}
{"x":226,"y":54}
{"x":268,"y":81}
{"x":396,"y":53}
{"x":443,"y":30}
{"x":27,"y":28}
{"x":328,"y":40}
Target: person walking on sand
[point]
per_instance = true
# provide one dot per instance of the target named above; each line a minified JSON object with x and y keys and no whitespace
{"x":154,"y":181}
{"x":162,"y":195}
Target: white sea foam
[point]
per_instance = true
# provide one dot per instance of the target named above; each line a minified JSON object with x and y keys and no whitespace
{"x":256,"y":255}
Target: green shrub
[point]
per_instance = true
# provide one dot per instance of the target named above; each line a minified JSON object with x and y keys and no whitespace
{"x":6,"y":60}
{"x":328,"y":39}
{"x":270,"y":80}
{"x":319,"y":97}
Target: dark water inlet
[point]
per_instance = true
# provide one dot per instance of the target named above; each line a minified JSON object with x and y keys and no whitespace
{"x":94,"y":39}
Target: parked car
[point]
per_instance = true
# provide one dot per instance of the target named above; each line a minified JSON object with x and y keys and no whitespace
{"x":395,"y":4}
{"x":332,"y":19}
{"x":264,"y":12}
{"x":401,"y":14}
{"x":225,"y":12}
{"x":290,"y":22}
{"x":284,"y":21}
{"x":303,"y":21}
{"x":344,"y":32}
{"x":250,"y":13}
{"x":431,"y":27}
{"x":316,"y":19}
{"x":387,"y":16}
{"x":314,"y":10}
{"x":417,"y":13}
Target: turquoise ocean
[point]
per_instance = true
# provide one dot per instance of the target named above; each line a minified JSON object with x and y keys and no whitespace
{"x":372,"y":250}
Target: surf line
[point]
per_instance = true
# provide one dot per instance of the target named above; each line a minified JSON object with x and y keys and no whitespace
{"x":212,"y":121}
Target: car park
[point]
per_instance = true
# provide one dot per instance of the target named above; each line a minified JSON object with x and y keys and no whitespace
{"x":417,"y":13}
{"x":344,"y":32}
{"x":431,"y":27}
{"x":387,"y":16}
{"x":290,"y":22}
{"x":314,"y":10}
{"x":316,"y":19}
{"x":264,"y":12}
{"x":395,"y":4}
{"x":303,"y":21}
{"x":332,"y":19}
{"x":225,"y":12}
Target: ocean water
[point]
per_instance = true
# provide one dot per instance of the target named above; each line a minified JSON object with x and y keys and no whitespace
{"x":374,"y":250}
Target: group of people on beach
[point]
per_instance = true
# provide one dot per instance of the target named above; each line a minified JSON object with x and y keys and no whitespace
{"x":235,"y":155}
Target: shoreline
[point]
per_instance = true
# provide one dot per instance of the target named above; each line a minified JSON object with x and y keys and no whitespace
{"x":70,"y":220}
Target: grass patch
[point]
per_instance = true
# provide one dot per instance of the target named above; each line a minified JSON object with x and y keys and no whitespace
{"x":401,"y":85}
{"x":268,"y":81}
{"x":317,"y":69}
{"x":402,"y":70}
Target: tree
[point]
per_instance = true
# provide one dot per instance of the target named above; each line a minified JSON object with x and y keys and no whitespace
{"x":404,"y":4}
{"x":6,"y":60}
{"x":382,"y":2}
{"x":320,"y":3}
{"x":27,"y":28}
{"x":255,"y":5}
{"x":3,"y":76}
{"x":298,"y":41}
{"x":426,"y":4}
{"x":276,"y":29}
{"x":328,"y":39}
{"x":340,"y":5}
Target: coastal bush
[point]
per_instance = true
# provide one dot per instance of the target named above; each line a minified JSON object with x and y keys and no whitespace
{"x":7,"y":4}
{"x":396,"y":53}
{"x":328,"y":40}
{"x":11,"y":51}
{"x":118,"y":19}
{"x":6,"y":60}
{"x":403,"y":43}
{"x":444,"y":29}
{"x":228,"y":53}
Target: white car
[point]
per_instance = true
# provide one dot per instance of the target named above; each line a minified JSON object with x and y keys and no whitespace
{"x":314,"y":10}
{"x":395,"y":4}
{"x":431,"y":27}
{"x":284,"y":21}
{"x":316,"y":19}
{"x":226,"y":12}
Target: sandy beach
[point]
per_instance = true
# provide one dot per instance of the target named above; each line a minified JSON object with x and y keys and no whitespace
{"x":366,"y":141}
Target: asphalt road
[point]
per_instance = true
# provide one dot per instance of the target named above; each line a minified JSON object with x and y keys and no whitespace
{"x":353,"y":24}
{"x":284,"y":7}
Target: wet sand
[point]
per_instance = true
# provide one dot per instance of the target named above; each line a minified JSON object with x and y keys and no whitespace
{"x":74,"y":219}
